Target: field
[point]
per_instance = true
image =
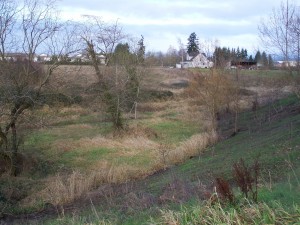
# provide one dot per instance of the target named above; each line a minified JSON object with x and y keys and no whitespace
{"x":163,"y":164}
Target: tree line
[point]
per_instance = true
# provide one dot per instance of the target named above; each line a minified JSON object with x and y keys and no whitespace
{"x":222,"y":57}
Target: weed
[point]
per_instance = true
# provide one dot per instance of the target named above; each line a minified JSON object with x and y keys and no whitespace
{"x":224,"y":190}
{"x":246,"y":213}
{"x":247,"y":178}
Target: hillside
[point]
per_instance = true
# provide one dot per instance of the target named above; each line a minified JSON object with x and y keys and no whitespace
{"x":269,"y":134}
{"x":275,"y":143}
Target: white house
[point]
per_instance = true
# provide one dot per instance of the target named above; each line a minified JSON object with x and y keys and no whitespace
{"x":197,"y":61}
{"x":286,"y":63}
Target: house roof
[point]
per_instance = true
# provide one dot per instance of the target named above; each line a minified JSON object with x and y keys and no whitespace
{"x":194,"y":56}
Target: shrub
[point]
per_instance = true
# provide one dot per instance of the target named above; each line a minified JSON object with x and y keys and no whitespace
{"x":247,"y":178}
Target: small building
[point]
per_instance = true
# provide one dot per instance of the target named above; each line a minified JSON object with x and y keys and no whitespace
{"x":198,"y":60}
{"x":43,"y":58}
{"x":16,"y":56}
{"x":284,"y":64}
{"x":244,"y":64}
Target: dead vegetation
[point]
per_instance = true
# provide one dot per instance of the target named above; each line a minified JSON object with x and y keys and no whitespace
{"x":141,"y":149}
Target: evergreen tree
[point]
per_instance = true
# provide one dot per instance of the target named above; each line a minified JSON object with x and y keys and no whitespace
{"x":221,"y":56}
{"x":141,"y":50}
{"x":271,"y":62}
{"x":122,"y":48}
{"x":264,"y":60}
{"x":121,"y":54}
{"x":251,"y":58}
{"x":193,"y":45}
{"x":238,"y":53}
{"x":233,"y":54}
{"x":244,"y":54}
{"x":257,"y":57}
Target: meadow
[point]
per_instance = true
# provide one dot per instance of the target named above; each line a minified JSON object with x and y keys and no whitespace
{"x":76,"y":169}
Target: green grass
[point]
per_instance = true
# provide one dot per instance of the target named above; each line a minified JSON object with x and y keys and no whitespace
{"x":278,"y":153}
{"x":174,"y":131}
{"x":275,"y":142}
{"x":82,"y":158}
{"x":288,"y":194}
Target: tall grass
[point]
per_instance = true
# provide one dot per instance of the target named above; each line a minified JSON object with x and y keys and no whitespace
{"x":246,"y":213}
{"x":192,"y":147}
{"x":63,"y":189}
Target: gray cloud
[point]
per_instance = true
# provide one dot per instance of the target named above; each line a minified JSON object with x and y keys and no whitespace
{"x":158,"y":20}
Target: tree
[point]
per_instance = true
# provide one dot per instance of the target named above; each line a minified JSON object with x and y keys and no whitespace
{"x":257,"y":57}
{"x":121,"y":54}
{"x":295,"y":30}
{"x":270,"y":62}
{"x":212,"y":92}
{"x":171,"y":57}
{"x":251,"y":58}
{"x":23,"y":81}
{"x":118,"y":79}
{"x":8,"y":12}
{"x":276,"y":32}
{"x":264,"y":60}
{"x":221,"y":57}
{"x":244,"y":54}
{"x":141,"y":50}
{"x":193,"y":45}
{"x":99,"y":38}
{"x":238,"y":54}
{"x":122,"y":85}
{"x":181,"y":49}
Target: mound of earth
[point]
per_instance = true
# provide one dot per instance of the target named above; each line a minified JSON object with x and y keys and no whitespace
{"x":176,"y":83}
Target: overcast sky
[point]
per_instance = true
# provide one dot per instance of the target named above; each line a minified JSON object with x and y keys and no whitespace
{"x":232,"y":22}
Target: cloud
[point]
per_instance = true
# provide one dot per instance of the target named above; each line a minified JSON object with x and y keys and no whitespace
{"x":233,"y":22}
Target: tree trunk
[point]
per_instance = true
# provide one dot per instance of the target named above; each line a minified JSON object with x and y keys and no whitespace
{"x":14,"y":149}
{"x":3,"y":139}
{"x":236,"y":121}
{"x":92,"y":53}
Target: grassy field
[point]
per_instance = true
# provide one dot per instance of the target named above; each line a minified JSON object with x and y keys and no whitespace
{"x":176,"y":195}
{"x":75,"y":139}
{"x":71,"y":150}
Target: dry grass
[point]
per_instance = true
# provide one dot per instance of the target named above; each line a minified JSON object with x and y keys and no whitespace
{"x":218,"y":214}
{"x":63,"y":189}
{"x":69,"y":75}
{"x":192,"y":147}
{"x":87,"y":143}
{"x":168,"y":155}
{"x":152,"y":106}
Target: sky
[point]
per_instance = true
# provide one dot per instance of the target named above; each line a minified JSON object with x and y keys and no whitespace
{"x":233,"y":23}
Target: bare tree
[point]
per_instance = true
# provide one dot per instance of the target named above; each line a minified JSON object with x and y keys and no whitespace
{"x":39,"y":23}
{"x":295,"y":30}
{"x":171,"y":57}
{"x":100,"y":39}
{"x":211,"y":90}
{"x":181,"y":50}
{"x":23,"y":80}
{"x":8,"y":12}
{"x":118,"y":78}
{"x":122,"y":85}
{"x":276,"y":32}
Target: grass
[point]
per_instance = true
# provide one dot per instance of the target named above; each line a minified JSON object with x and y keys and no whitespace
{"x":78,"y":141}
{"x":78,"y":152}
{"x":174,"y":131}
{"x":278,"y":197}
{"x":286,"y":193}
{"x":246,"y":213}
